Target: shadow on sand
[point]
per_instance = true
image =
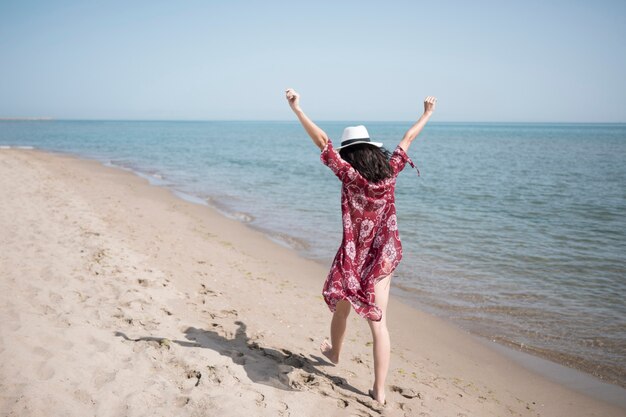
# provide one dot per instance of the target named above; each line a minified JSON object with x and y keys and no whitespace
{"x":263,"y":365}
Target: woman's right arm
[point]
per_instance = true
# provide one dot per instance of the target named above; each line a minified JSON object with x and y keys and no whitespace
{"x":429,"y":107}
{"x":318,"y":136}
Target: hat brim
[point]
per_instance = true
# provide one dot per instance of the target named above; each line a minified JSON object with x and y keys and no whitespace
{"x":377,"y":144}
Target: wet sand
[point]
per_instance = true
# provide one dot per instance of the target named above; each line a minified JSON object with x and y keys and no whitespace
{"x":118,"y":298}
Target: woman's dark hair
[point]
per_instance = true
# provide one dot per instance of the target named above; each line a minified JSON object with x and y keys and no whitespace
{"x":371,"y":161}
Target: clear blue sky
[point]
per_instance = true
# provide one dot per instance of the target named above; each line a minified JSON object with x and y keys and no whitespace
{"x":361,"y":60}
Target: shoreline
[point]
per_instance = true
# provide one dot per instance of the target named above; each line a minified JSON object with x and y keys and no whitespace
{"x":284,"y":261}
{"x":530,"y":358}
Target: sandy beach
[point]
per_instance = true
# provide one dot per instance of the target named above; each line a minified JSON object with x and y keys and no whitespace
{"x":118,"y":298}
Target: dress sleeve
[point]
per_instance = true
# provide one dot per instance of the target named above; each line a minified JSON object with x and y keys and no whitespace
{"x":331,"y":158}
{"x":398,"y":160}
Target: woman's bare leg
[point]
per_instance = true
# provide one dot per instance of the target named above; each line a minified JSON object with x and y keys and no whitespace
{"x":382,"y":345}
{"x":337,"y":332}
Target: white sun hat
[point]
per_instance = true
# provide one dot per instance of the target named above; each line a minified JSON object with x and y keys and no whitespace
{"x":353,"y":135}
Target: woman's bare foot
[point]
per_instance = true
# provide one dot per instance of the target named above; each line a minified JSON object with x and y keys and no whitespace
{"x":327,"y":350}
{"x":380,"y":397}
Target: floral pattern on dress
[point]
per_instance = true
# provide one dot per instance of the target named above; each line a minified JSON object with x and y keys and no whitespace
{"x":389,"y":251}
{"x":378,"y":240}
{"x":371,"y":247}
{"x":366,"y":229}
{"x":350,"y":250}
{"x":392,"y":223}
{"x":347,"y":222}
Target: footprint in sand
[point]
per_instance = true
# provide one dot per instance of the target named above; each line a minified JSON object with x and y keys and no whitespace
{"x":46,"y":354}
{"x":182,"y":401}
{"x":357,"y":359}
{"x":103,"y":378}
{"x":99,"y":344}
{"x":214,"y":375}
{"x":406,"y":392}
{"x":143,"y":282}
{"x":54,"y":297}
{"x":283,"y":409}
{"x":407,"y":410}
{"x":44,"y":372}
{"x":83,"y":396}
{"x":192,"y":381}
{"x":204,"y":290}
{"x":300,"y":379}
{"x":223,"y":314}
{"x":229,"y":313}
{"x":219,"y":329}
{"x":369,"y":403}
{"x":260,"y":400}
{"x":194,"y":375}
{"x":81,"y":297}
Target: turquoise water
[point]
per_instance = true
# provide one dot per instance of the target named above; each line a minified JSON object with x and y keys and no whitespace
{"x":514,"y":231}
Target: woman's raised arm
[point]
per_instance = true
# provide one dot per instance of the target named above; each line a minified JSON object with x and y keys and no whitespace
{"x":429,"y":107}
{"x":318,"y":135}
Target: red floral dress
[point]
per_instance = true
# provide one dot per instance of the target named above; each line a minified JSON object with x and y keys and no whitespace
{"x":371,"y":248}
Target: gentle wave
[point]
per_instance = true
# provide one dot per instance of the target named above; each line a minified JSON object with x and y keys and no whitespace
{"x":16,"y":147}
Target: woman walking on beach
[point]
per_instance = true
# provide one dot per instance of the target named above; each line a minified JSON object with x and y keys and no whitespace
{"x":370,"y":251}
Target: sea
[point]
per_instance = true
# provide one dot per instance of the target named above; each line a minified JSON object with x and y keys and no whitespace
{"x":514,"y":231}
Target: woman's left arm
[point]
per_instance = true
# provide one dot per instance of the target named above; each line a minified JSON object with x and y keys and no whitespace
{"x":318,"y":136}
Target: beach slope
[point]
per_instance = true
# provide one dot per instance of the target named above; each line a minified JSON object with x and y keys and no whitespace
{"x":119,"y":299}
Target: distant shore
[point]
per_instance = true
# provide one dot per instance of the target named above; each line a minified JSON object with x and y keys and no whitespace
{"x":25,"y":119}
{"x":118,"y":296}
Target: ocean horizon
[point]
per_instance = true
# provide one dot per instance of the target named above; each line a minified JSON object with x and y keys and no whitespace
{"x":291,"y":120}
{"x":514,"y":231}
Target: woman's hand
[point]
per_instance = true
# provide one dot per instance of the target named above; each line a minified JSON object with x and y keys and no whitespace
{"x":429,"y":107}
{"x":318,"y":135}
{"x":293,"y":98}
{"x":429,"y":104}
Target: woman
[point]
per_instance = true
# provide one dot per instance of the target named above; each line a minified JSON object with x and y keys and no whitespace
{"x":370,"y":250}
